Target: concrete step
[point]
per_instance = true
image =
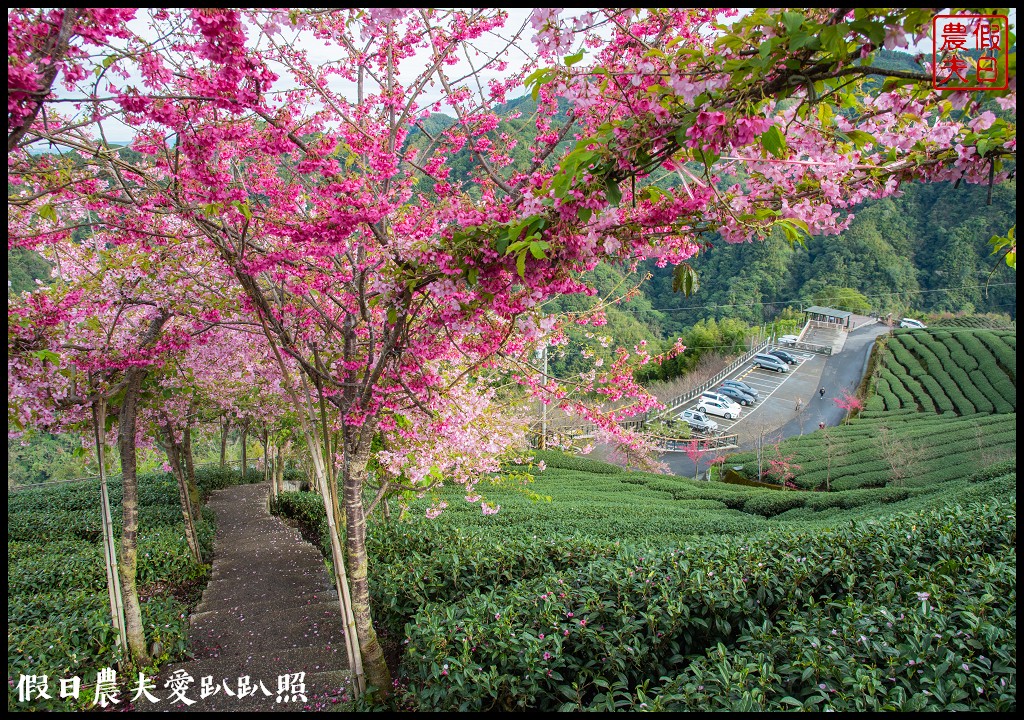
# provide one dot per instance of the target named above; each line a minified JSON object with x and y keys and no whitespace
{"x":266,"y":588}
{"x":260,"y":573}
{"x":311,"y":658}
{"x":206,"y":607}
{"x":231,"y":634}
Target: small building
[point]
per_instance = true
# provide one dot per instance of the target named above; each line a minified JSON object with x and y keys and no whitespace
{"x":828,"y":316}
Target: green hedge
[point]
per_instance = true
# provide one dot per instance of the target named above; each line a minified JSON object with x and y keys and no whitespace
{"x":58,"y":613}
{"x":558,"y":459}
{"x":833,"y":620}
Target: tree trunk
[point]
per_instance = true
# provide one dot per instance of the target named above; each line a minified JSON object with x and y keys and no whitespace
{"x":279,"y":478}
{"x":128,"y":558}
{"x":245,"y":458}
{"x":190,"y":473}
{"x":355,"y":476}
{"x":174,"y":458}
{"x":224,"y":442}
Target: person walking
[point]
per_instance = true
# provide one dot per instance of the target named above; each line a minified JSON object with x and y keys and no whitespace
{"x":799,"y":404}
{"x":821,"y":425}
{"x":821,"y":393}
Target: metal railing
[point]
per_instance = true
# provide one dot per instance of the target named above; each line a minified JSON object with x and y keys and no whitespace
{"x":800,"y":344}
{"x":812,"y":347}
{"x":676,"y":402}
{"x":712,"y":442}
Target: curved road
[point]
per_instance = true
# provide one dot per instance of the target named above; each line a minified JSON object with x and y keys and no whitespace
{"x":842,"y":371}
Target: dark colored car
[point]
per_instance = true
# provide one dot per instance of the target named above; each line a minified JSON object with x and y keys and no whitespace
{"x":784,"y":356}
{"x":740,"y":385}
{"x":736,"y":394}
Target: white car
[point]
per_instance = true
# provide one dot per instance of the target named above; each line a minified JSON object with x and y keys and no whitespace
{"x":788,"y":339}
{"x":727,"y":410}
{"x":712,"y":395}
{"x":912,"y":324}
{"x":698,"y":421}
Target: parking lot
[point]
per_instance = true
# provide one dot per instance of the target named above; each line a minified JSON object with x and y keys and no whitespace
{"x":777,"y":393}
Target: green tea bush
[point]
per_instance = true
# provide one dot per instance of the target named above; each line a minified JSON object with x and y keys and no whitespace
{"x":558,"y":459}
{"x":839,"y":619}
{"x":306,"y":509}
{"x":58,"y":613}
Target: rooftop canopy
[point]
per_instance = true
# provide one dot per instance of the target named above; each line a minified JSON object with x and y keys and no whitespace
{"x":831,"y":312}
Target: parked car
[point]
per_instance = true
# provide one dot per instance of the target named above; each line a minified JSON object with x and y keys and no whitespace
{"x":735,"y":394}
{"x":912,"y":324}
{"x":739,"y":384}
{"x":789,"y":339}
{"x":769,"y":362}
{"x":727,"y":410}
{"x":715,"y":395}
{"x":783,"y":355}
{"x":698,"y":421}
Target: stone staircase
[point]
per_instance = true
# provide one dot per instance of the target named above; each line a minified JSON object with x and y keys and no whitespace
{"x":833,"y":337}
{"x":269,"y":612}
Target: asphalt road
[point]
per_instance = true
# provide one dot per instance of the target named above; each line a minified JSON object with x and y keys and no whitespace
{"x":837,"y":373}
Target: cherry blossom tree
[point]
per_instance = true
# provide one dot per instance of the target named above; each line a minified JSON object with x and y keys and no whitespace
{"x":394,"y":295}
{"x":695,"y":451}
{"x":850,"y":403}
{"x":121,"y":305}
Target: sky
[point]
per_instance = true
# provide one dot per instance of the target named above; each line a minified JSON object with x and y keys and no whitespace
{"x":320,"y":52}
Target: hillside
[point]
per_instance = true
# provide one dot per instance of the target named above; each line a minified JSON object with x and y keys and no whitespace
{"x":900,"y":530}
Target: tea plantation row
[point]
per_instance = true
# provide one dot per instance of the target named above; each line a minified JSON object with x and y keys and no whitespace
{"x":957,"y":371}
{"x":582,"y":609}
{"x":58,"y":614}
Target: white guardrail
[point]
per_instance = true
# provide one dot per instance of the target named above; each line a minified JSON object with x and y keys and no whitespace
{"x":675,"y":403}
{"x":586,"y":431}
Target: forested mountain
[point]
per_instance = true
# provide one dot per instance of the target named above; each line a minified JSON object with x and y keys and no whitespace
{"x":924,"y":251}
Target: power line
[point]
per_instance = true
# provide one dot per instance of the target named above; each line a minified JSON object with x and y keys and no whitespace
{"x":800,"y":301}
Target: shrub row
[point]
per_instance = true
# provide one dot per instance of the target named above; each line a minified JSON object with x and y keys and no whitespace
{"x":832,"y":620}
{"x":58,"y":613}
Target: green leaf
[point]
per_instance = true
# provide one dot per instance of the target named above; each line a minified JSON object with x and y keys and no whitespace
{"x":243,"y":208}
{"x":392,"y":316}
{"x":571,"y":60}
{"x":537,"y":78}
{"x":1011,"y":259}
{"x":472,"y":274}
{"x":860,"y":138}
{"x":613,"y":193}
{"x":774,"y":141}
{"x":792,"y":21}
{"x":560,"y":185}
{"x":46,"y":212}
{"x":521,"y":264}
{"x":584,"y":214}
{"x":48,"y":356}
{"x":536,"y":250}
{"x":684,"y":280}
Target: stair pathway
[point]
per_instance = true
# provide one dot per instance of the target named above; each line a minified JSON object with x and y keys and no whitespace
{"x":268,"y":613}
